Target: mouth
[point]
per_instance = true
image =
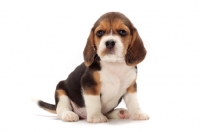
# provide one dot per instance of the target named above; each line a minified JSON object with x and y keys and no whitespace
{"x":111,"y":55}
{"x":110,"y":51}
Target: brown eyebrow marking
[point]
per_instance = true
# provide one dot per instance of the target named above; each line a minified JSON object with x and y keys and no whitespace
{"x":104,"y":25}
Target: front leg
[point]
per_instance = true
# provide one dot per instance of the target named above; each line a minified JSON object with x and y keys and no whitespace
{"x":132,"y":104}
{"x":91,"y":86}
{"x":93,"y":109}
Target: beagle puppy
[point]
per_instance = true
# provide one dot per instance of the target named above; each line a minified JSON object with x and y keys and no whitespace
{"x":108,"y":75}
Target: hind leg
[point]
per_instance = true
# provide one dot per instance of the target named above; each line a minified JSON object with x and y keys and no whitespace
{"x":64,"y":109}
{"x":119,"y":113}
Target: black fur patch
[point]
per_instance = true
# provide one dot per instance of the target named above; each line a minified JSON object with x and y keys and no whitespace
{"x":72,"y":85}
{"x":87,"y":80}
{"x":135,"y":86}
{"x":46,"y":105}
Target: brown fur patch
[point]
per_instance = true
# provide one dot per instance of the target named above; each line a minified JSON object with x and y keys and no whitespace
{"x":132,"y":88}
{"x":60,"y":92}
{"x":94,"y":89}
{"x":51,"y":111}
{"x":104,"y":26}
{"x":89,"y":51}
{"x":136,"y":52}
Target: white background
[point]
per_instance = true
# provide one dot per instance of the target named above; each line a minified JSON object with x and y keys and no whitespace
{"x":41,"y":42}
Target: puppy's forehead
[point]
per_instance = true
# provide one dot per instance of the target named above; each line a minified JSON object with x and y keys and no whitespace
{"x":111,"y":18}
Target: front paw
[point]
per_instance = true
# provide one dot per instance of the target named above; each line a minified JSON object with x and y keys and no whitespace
{"x":69,"y":116}
{"x":139,"y":115}
{"x":98,"y":118}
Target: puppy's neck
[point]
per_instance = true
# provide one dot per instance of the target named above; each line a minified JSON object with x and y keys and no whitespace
{"x":116,"y":67}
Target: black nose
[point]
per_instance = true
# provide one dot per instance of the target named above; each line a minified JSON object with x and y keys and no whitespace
{"x":110,"y":44}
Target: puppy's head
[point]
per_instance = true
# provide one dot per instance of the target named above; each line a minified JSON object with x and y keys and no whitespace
{"x":114,"y":39}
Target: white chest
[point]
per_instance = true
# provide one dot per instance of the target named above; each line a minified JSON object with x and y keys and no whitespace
{"x":115,"y":79}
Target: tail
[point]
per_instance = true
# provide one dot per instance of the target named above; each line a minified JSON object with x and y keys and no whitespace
{"x":46,"y":106}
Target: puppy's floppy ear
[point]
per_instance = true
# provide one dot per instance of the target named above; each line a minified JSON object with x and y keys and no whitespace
{"x":136,"y":51}
{"x":89,"y":51}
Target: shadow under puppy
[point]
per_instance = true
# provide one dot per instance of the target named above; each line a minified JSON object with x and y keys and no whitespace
{"x":95,"y":88}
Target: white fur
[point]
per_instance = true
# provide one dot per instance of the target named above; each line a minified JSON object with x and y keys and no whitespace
{"x":35,"y":100}
{"x":64,"y":110}
{"x":93,"y":109}
{"x":133,"y":107}
{"x":115,"y":75}
{"x":117,"y":55}
{"x":115,"y":79}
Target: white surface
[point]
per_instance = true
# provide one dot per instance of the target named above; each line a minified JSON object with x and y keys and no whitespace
{"x":41,"y":42}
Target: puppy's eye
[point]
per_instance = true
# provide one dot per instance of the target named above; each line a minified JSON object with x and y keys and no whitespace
{"x":100,"y":33}
{"x":122,"y":32}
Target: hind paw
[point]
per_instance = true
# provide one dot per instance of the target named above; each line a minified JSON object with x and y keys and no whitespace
{"x":118,"y":114}
{"x":123,"y":114}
